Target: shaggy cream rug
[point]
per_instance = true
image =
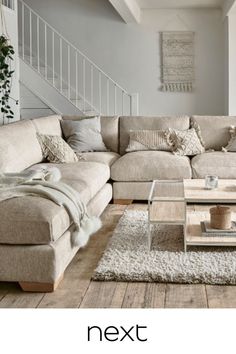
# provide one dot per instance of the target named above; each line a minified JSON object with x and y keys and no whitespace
{"x":128,"y":259}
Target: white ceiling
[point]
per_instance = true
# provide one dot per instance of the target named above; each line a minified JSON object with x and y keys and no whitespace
{"x":160,"y":4}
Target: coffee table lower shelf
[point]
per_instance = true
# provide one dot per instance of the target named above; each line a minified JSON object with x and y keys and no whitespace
{"x":193,"y":235}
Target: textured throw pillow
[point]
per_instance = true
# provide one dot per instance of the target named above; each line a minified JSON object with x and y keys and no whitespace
{"x":184,"y":142}
{"x":84,"y":135}
{"x":141,"y":140}
{"x":231,"y":147}
{"x":197,"y":128}
{"x":55,"y":149}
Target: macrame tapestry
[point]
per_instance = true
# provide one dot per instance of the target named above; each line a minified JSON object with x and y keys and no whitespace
{"x":177,"y":61}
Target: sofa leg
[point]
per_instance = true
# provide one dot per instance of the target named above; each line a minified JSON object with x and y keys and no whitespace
{"x":40,"y":287}
{"x":123,"y":201}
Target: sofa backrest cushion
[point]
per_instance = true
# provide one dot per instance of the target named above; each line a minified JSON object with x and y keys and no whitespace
{"x":19,"y":146}
{"x":109,"y":130}
{"x":48,"y":125}
{"x":149,"y":123}
{"x":215,"y":130}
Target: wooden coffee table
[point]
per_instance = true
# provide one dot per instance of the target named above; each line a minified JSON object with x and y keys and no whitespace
{"x":187,"y":203}
{"x":198,"y":202}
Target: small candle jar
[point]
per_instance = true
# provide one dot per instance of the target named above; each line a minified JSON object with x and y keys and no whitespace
{"x":220,"y":218}
{"x":211,"y":182}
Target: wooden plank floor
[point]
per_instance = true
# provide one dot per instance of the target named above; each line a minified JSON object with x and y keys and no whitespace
{"x":78,"y":291}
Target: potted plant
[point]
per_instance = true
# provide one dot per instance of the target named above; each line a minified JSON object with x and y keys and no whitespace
{"x":6,"y":74}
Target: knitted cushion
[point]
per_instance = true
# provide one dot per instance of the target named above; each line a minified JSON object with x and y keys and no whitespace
{"x":55,"y":149}
{"x":232,"y":142}
{"x":185,"y":142}
{"x":141,"y":140}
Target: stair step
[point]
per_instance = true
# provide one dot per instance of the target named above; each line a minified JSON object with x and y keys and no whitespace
{"x":78,"y":101}
{"x":30,"y":58}
{"x":57,"y":83}
{"x":91,"y":113}
{"x":42,"y":69}
{"x":73,"y":96}
{"x":64,"y":91}
{"x":87,"y":109}
{"x":80,"y":104}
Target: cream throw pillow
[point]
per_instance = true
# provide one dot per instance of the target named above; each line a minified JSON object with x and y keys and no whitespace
{"x":141,"y":140}
{"x":231,"y":147}
{"x":55,"y":149}
{"x":184,"y":142}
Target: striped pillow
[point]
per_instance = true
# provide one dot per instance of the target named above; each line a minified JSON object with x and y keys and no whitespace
{"x":141,"y":140}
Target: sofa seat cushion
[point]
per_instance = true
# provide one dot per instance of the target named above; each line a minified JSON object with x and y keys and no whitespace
{"x":86,"y":177}
{"x":149,"y":165}
{"x":222,"y":164}
{"x":34,"y":220}
{"x":107,"y":158}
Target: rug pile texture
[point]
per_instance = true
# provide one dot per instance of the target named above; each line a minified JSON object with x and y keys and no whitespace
{"x":127,"y":257}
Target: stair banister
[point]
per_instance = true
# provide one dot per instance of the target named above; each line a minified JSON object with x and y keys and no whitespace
{"x":73,"y":55}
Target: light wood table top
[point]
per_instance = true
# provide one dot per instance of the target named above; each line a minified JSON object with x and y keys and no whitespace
{"x":195,"y":192}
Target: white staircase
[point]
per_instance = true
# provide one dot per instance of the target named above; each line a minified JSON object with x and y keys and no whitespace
{"x":62,"y":76}
{"x":9,"y":3}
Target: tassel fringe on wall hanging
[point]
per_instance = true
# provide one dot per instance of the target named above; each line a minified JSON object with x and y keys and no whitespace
{"x":177,"y":61}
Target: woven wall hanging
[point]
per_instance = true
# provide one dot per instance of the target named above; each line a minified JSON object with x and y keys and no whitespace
{"x":177,"y":61}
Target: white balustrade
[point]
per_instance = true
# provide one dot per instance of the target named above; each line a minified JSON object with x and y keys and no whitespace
{"x":9,"y":3}
{"x":67,"y":69}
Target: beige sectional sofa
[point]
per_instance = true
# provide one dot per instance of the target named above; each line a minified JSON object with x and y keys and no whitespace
{"x":133,"y":172}
{"x":35,"y":243}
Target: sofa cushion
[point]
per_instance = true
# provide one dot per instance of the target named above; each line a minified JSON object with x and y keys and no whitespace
{"x":109,"y":130}
{"x":144,"y":140}
{"x":40,"y":221}
{"x":148,"y":123}
{"x":55,"y":149}
{"x":185,"y":142}
{"x":222,"y":164}
{"x":108,"y":158}
{"x":214,"y":130}
{"x":48,"y":125}
{"x":231,"y":146}
{"x":150,"y":165}
{"x":85,"y":177}
{"x":84,"y":135}
{"x":19,"y":146}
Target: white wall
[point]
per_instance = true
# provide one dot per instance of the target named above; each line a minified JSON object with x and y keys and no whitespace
{"x":11,"y":23}
{"x":130,"y":54}
{"x":226,"y":66}
{"x":232,"y":63}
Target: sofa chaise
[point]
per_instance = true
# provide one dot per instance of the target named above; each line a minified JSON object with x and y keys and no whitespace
{"x":35,"y":246}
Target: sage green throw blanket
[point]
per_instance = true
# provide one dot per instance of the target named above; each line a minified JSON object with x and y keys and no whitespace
{"x":64,"y":196}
